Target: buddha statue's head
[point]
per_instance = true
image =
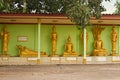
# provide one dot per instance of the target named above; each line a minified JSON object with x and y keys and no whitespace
{"x":53,"y":28}
{"x":113,"y":29}
{"x":5,"y":29}
{"x":69,"y":39}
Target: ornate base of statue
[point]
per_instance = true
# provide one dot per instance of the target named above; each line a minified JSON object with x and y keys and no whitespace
{"x":65,"y":54}
{"x":114,"y":54}
{"x":4,"y":55}
{"x":54,"y":55}
{"x":102,"y":52}
{"x":43,"y":54}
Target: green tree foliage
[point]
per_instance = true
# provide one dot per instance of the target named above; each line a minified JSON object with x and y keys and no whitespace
{"x":117,"y":5}
{"x":81,"y":10}
{"x":46,"y":6}
{"x":4,"y":6}
{"x":11,"y":6}
{"x":55,"y":6}
{"x":33,"y":6}
{"x":16,"y":6}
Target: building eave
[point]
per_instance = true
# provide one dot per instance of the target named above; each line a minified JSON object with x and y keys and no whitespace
{"x":6,"y":18}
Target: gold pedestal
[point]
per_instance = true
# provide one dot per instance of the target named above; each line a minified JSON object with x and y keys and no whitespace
{"x":74,"y":54}
{"x":4,"y":55}
{"x":101,"y":52}
{"x":54,"y":55}
{"x":114,"y":54}
{"x":43,"y":54}
{"x":65,"y":54}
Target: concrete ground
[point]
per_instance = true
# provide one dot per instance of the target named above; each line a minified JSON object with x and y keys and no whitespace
{"x":61,"y":72}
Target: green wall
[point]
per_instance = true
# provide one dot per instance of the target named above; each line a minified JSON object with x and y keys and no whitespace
{"x":30,"y":30}
{"x":65,"y":30}
{"x":16,"y":30}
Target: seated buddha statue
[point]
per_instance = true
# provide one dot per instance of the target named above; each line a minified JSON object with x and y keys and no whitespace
{"x":69,"y":48}
{"x":99,"y":50}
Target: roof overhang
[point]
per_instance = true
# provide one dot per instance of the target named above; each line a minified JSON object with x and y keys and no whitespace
{"x":54,"y":19}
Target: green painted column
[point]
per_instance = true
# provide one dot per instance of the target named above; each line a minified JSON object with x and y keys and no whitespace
{"x":84,"y":58}
{"x":39,"y":26}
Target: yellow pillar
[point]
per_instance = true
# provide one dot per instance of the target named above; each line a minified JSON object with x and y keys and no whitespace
{"x":39,"y":26}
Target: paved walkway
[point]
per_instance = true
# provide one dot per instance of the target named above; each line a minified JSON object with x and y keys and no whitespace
{"x":61,"y":72}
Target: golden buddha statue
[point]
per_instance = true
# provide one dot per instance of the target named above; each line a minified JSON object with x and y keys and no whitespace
{"x":43,"y":54}
{"x":25,"y":52}
{"x":54,"y":40}
{"x":5,"y":39}
{"x":99,"y":50}
{"x":114,"y":38}
{"x":98,"y":44}
{"x":69,"y":48}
